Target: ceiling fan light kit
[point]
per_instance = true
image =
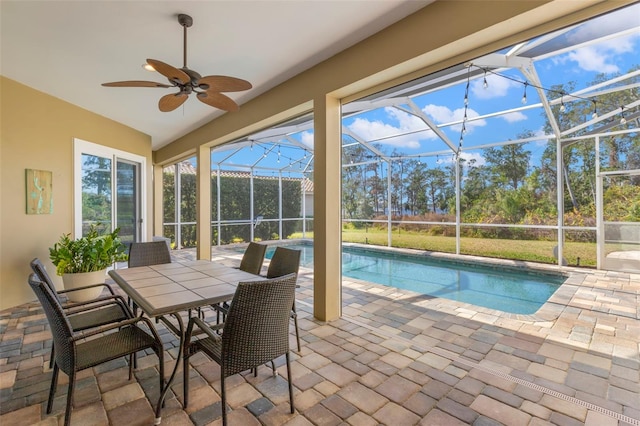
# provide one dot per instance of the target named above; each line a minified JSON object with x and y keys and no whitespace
{"x":208,"y":89}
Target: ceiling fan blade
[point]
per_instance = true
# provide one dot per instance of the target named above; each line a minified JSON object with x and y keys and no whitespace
{"x":218,"y":100}
{"x":172,"y":101}
{"x":222,"y":83}
{"x":172,"y":73}
{"x":135,"y":83}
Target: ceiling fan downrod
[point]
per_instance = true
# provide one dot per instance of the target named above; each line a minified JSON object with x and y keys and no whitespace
{"x":186,"y":21}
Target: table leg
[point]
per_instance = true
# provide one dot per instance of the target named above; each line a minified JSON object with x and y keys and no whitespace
{"x":180,"y":332}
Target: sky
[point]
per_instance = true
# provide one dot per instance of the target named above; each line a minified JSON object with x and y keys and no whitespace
{"x":504,"y":91}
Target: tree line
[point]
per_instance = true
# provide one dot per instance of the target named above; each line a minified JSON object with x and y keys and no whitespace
{"x":509,"y":186}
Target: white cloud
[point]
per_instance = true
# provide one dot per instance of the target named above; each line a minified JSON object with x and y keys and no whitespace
{"x":407,"y":123}
{"x":497,"y":87}
{"x":601,"y":57}
{"x":307,"y":138}
{"x":468,"y":156}
{"x":592,"y":59}
{"x":441,"y":114}
{"x":514,"y":117}
{"x":371,"y":130}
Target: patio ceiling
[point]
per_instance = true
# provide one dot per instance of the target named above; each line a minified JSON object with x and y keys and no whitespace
{"x":67,"y":49}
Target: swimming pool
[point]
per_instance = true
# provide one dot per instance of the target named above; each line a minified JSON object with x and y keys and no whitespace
{"x":517,"y":292}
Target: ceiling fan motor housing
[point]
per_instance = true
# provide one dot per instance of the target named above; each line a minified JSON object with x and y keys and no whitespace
{"x":193,"y":75}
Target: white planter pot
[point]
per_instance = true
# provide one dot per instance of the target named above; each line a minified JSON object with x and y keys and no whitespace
{"x":82,"y":279}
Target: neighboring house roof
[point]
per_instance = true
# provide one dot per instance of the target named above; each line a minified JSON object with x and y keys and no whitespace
{"x":307,"y":186}
{"x":186,"y":167}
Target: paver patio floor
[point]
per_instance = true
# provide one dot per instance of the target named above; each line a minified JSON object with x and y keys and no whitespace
{"x":394,"y":358}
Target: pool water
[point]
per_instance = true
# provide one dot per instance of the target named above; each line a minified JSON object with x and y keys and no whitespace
{"x":517,"y":292}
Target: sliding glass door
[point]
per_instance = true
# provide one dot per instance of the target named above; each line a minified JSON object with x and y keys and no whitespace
{"x":109,"y":191}
{"x":128,"y":200}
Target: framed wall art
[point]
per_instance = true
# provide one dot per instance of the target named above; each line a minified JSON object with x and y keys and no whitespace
{"x":39,"y":187}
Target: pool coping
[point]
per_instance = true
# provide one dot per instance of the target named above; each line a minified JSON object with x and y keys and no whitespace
{"x":549,"y":311}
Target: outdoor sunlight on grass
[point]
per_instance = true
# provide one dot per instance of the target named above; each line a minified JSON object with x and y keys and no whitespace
{"x":526,"y":250}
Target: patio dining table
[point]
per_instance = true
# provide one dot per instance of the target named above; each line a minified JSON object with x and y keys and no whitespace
{"x":167,"y":291}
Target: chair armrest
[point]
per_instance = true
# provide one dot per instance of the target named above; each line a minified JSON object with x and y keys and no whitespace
{"x":97,"y":304}
{"x":62,"y":292}
{"x":75,"y":307}
{"x":207,"y":329}
{"x":221,"y":307}
{"x":116,"y":325}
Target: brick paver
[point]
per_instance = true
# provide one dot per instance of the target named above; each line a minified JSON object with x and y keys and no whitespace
{"x":395,"y":358}
{"x":397,"y":389}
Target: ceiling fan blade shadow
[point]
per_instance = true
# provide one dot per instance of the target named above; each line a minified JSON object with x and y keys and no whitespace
{"x":223,"y":83}
{"x":135,"y":83}
{"x":172,"y":73}
{"x":218,"y":100}
{"x":172,"y":101}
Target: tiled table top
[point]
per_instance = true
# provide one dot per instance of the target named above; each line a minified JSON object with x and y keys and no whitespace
{"x":173,"y":287}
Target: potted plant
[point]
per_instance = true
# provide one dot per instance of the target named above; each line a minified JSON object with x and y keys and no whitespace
{"x":84,"y":261}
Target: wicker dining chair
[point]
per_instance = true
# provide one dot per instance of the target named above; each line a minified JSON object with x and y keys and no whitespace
{"x":85,"y":315}
{"x":253,"y":258}
{"x":75,"y":352}
{"x":38,"y":267}
{"x":256,"y":331}
{"x":251,"y":262}
{"x":286,"y":261}
{"x":148,"y":253}
{"x":283,"y":262}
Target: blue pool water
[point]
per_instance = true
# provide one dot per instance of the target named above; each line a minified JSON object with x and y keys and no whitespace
{"x":517,"y":292}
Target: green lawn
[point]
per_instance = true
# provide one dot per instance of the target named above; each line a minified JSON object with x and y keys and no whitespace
{"x":527,"y":250}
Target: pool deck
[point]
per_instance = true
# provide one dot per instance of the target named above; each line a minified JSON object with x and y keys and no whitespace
{"x":394,"y":358}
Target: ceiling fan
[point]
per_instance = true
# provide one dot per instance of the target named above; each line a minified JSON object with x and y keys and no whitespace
{"x":207,"y":89}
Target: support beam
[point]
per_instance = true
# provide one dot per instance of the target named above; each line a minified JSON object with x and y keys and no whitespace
{"x":158,"y":210}
{"x":600,"y":252}
{"x":203,"y":188}
{"x":327,"y":192}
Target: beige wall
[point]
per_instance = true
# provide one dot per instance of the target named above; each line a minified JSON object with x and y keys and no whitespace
{"x":37,"y":132}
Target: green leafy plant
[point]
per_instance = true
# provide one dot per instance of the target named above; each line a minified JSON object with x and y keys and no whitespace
{"x":90,"y":253}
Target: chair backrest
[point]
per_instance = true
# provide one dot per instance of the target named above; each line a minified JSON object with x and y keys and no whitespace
{"x":149,"y":253}
{"x":253,"y":258}
{"x":284,"y":261}
{"x":256,"y":329}
{"x":42,"y":274}
{"x":60,"y":327}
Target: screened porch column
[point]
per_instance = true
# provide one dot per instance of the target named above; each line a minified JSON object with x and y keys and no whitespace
{"x":158,"y":211}
{"x":203,"y":189}
{"x":326,"y":210}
